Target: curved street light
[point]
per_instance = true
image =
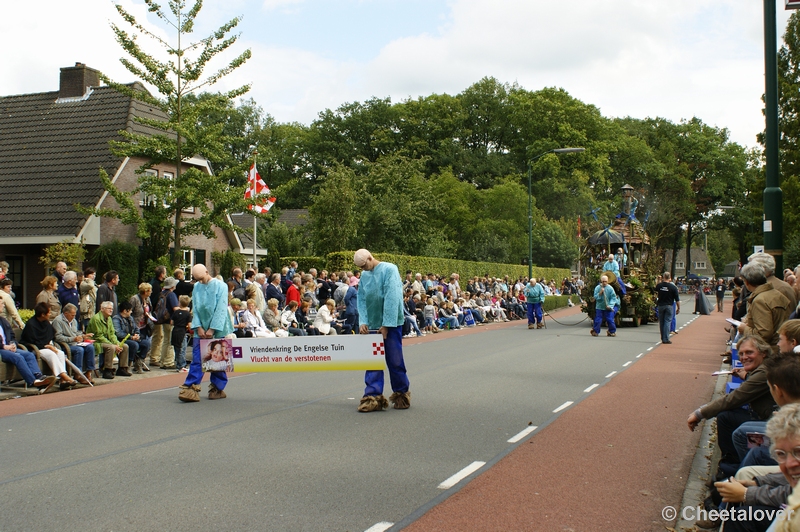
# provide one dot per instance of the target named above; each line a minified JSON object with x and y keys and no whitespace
{"x":530,"y":205}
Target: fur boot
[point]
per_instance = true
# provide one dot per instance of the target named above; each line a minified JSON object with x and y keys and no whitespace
{"x":401,"y":401}
{"x":373,"y":403}
{"x":215,"y":393}
{"x":137,"y":366}
{"x":189,"y":394}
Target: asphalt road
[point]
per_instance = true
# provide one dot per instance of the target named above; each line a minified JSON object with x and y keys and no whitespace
{"x":289,"y":451}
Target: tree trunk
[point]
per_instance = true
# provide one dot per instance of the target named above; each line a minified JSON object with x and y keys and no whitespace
{"x":688,"y":250}
{"x":675,"y":244}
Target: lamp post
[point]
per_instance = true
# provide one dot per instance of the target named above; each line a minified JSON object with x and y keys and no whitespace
{"x":530,"y":199}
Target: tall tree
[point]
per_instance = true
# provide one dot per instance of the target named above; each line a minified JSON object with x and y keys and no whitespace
{"x":187,"y":130}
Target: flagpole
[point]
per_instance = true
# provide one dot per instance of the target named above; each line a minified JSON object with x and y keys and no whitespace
{"x":255,"y":220}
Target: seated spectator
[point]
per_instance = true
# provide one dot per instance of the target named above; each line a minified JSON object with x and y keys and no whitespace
{"x":40,"y":333}
{"x":303,"y":319}
{"x":255,"y":324}
{"x":272,"y":317}
{"x":102,"y":327}
{"x":127,"y":331}
{"x":67,"y":331}
{"x":411,"y":318}
{"x":289,"y":319}
{"x":25,"y":361}
{"x":325,"y":317}
{"x":754,"y":391}
{"x":9,"y":311}
{"x":447,"y":316}
{"x":240,"y":326}
{"x":49,"y":297}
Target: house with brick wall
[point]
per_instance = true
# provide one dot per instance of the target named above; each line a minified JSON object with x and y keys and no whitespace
{"x":52,"y":146}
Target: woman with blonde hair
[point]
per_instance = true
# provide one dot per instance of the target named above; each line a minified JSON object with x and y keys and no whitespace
{"x":272,"y":317}
{"x":49,"y":297}
{"x":325,"y":317}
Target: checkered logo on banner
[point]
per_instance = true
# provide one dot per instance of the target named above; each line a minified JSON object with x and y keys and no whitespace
{"x":377,"y":349}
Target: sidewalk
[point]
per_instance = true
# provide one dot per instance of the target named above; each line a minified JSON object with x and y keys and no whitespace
{"x":614,"y":461}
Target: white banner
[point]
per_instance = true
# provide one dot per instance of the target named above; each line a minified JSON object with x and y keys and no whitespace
{"x":296,"y":353}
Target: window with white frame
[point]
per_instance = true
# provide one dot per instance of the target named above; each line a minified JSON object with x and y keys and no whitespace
{"x":187,"y":261}
{"x":145,"y":199}
{"x":679,"y":265}
{"x":700,"y":265}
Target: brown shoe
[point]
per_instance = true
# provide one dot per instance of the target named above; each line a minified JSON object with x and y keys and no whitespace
{"x":593,"y":333}
{"x":123,"y":372}
{"x":215,"y":393}
{"x":189,"y":394}
{"x":540,"y":325}
{"x":611,"y":334}
{"x":400,"y":401}
{"x":372,"y":403}
{"x":531,"y":326}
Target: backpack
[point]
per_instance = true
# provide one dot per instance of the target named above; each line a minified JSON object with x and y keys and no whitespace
{"x":161,"y":315}
{"x":87,"y":306}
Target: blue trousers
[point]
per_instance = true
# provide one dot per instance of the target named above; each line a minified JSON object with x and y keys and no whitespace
{"x":25,"y":361}
{"x":608,"y":316}
{"x":195,"y":375}
{"x":534,"y":313}
{"x":138,"y":349}
{"x":83,"y":356}
{"x":665,"y":313}
{"x":393,"y":347}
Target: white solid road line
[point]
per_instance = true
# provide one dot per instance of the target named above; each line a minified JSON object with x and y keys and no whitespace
{"x":628,"y":363}
{"x":161,"y":390}
{"x":611,"y":374}
{"x":590,"y":388}
{"x":380,"y":527}
{"x":522,"y":434}
{"x":562,"y":407}
{"x":54,"y":409}
{"x":461,"y":475}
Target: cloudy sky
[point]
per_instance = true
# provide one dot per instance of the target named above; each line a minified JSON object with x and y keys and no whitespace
{"x":669,"y":58}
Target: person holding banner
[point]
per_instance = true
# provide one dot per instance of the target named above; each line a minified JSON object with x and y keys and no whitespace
{"x":380,"y":306}
{"x":210,"y":320}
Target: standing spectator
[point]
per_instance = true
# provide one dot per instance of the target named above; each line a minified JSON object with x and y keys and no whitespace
{"x":293,"y":293}
{"x":351,"y":308}
{"x":606,"y":302}
{"x":88,"y":296}
{"x":158,"y":339}
{"x":719,"y":290}
{"x":181,"y":321}
{"x":767,"y":262}
{"x":767,"y":308}
{"x":380,"y":306}
{"x":668,"y":303}
{"x":61,"y":269}
{"x":49,"y":297}
{"x":171,"y":304}
{"x":3,"y":269}
{"x":141,"y":313}
{"x":210,"y":320}
{"x":107,"y":290}
{"x":9,"y":311}
{"x":184,"y":287}
{"x":68,"y":291}
{"x":238,"y":287}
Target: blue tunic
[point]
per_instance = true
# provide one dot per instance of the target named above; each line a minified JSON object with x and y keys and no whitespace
{"x":210,"y":306}
{"x":380,"y":297}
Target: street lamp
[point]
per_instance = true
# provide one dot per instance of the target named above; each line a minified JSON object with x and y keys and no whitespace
{"x":530,"y":204}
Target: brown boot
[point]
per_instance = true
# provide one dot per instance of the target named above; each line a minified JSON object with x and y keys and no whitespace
{"x":400,"y":401}
{"x":373,"y":403}
{"x":137,"y":366}
{"x":189,"y":394}
{"x":215,"y":393}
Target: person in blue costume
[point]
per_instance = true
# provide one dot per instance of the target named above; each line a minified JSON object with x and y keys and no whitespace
{"x":606,"y":302}
{"x":380,"y":306}
{"x":210,"y":320}
{"x":534,"y":297}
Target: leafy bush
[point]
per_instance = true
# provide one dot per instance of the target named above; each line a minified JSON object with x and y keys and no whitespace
{"x":122,"y":257}
{"x":25,"y":314}
{"x":226,"y":261}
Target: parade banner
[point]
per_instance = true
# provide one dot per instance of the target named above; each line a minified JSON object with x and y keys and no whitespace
{"x":296,"y":353}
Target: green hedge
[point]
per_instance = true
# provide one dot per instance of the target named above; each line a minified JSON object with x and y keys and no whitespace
{"x":122,"y":257}
{"x":343,"y":260}
{"x":554,"y":302}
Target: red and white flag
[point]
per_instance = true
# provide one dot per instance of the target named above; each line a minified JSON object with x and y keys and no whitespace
{"x":258,"y":191}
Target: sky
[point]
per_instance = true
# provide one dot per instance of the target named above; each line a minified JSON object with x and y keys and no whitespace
{"x":675,"y":59}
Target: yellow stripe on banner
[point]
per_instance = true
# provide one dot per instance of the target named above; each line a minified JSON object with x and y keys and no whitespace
{"x":282,"y":365}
